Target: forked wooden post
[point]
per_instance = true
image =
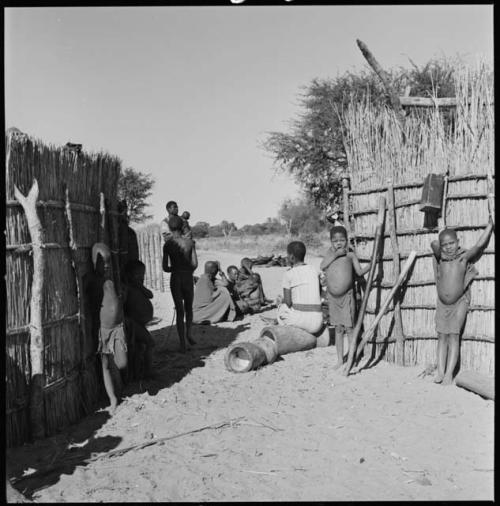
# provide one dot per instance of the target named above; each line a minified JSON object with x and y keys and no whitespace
{"x":102,"y":216}
{"x":398,"y":322}
{"x":371,"y":273}
{"x":36,"y":408}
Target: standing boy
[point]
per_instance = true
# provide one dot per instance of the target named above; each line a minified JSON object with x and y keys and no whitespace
{"x":454,"y":273}
{"x":338,"y":265}
{"x":181,"y":252}
{"x":301,"y":306}
{"x":172,"y":210}
{"x":138,"y":310}
{"x":101,"y":291}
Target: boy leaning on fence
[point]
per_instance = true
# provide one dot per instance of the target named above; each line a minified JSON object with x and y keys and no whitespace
{"x":454,"y":272}
{"x":106,"y":312}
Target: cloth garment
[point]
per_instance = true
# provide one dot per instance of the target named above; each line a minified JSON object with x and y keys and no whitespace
{"x":341,"y":309}
{"x":303,"y":283}
{"x":310,"y":321}
{"x":450,"y":318}
{"x":211,"y":303}
{"x":110,"y":338}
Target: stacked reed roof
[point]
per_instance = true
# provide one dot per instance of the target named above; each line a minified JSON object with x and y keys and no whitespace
{"x":382,"y":151}
{"x":68,"y":207}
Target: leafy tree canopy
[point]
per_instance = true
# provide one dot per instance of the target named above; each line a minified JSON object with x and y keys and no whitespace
{"x":312,"y":151}
{"x":135,"y":187}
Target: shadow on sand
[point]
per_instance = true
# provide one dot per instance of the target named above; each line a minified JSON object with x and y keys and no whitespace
{"x":32,"y":467}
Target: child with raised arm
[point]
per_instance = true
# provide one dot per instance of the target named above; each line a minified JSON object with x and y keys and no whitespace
{"x":180,"y":258}
{"x":112,"y":345}
{"x":338,"y":265}
{"x":454,"y":273}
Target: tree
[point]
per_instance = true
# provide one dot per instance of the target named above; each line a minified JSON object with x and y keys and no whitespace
{"x":227,"y":228}
{"x":300,"y":216}
{"x":135,"y":188}
{"x":313,"y":152}
{"x":200,"y":229}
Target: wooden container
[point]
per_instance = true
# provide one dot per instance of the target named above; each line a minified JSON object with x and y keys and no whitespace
{"x":432,"y":193}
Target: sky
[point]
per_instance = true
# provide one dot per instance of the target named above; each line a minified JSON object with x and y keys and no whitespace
{"x":188,"y":94}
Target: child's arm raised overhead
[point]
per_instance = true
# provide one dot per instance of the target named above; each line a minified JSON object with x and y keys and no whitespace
{"x":481,"y":243}
{"x":436,"y":249}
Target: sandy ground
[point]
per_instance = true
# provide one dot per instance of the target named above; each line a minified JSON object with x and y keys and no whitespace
{"x":293,"y":430}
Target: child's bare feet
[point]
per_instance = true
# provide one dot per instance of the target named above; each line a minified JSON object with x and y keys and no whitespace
{"x":191,"y":341}
{"x":338,"y":365}
{"x":113,"y":405}
{"x":447,"y":380}
{"x":438,"y":378}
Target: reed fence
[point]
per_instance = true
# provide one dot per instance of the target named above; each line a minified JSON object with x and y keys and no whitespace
{"x":389,"y":158}
{"x":150,"y":244}
{"x":75,"y":207}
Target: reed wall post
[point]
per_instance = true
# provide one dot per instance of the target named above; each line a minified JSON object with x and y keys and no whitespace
{"x":345,"y":204}
{"x":36,"y":411}
{"x":398,"y":322}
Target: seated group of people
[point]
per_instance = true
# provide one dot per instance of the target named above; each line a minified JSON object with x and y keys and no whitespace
{"x":227,"y":297}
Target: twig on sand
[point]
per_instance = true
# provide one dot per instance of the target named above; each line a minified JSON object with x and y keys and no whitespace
{"x":115,"y":453}
{"x":74,"y":460}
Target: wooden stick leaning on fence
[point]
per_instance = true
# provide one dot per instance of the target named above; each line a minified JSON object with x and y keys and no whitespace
{"x":371,"y":273}
{"x":369,"y":333}
{"x":36,"y":411}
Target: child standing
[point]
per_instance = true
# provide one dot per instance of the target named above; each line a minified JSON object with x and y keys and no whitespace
{"x":454,"y":273}
{"x":139,"y":311}
{"x":338,"y":265}
{"x":112,"y":345}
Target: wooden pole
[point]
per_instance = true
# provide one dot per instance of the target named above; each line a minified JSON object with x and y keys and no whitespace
{"x":384,"y":77}
{"x":398,"y":322}
{"x":36,"y":408}
{"x":345,"y":205}
{"x":359,"y":322}
{"x":102,"y":222}
{"x":442,"y":218}
{"x":369,"y":333}
{"x":491,"y":196}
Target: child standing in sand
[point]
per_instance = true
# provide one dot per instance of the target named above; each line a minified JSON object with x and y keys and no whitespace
{"x":339,"y":264}
{"x":112,"y":345}
{"x":139,"y":311}
{"x":454,"y":273}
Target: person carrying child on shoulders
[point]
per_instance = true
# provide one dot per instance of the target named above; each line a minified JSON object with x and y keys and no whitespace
{"x":454,"y":272}
{"x":339,"y":264}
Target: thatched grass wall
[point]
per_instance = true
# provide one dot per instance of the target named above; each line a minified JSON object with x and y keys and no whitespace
{"x":382,"y":152}
{"x":68,"y":207}
{"x":151,"y":254}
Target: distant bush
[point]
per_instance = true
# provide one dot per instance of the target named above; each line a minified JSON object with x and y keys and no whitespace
{"x":311,"y":240}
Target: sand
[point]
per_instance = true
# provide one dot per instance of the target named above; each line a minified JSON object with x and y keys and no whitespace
{"x":291,"y":431}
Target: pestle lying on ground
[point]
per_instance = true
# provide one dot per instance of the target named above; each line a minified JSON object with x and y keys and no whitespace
{"x":272,"y":342}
